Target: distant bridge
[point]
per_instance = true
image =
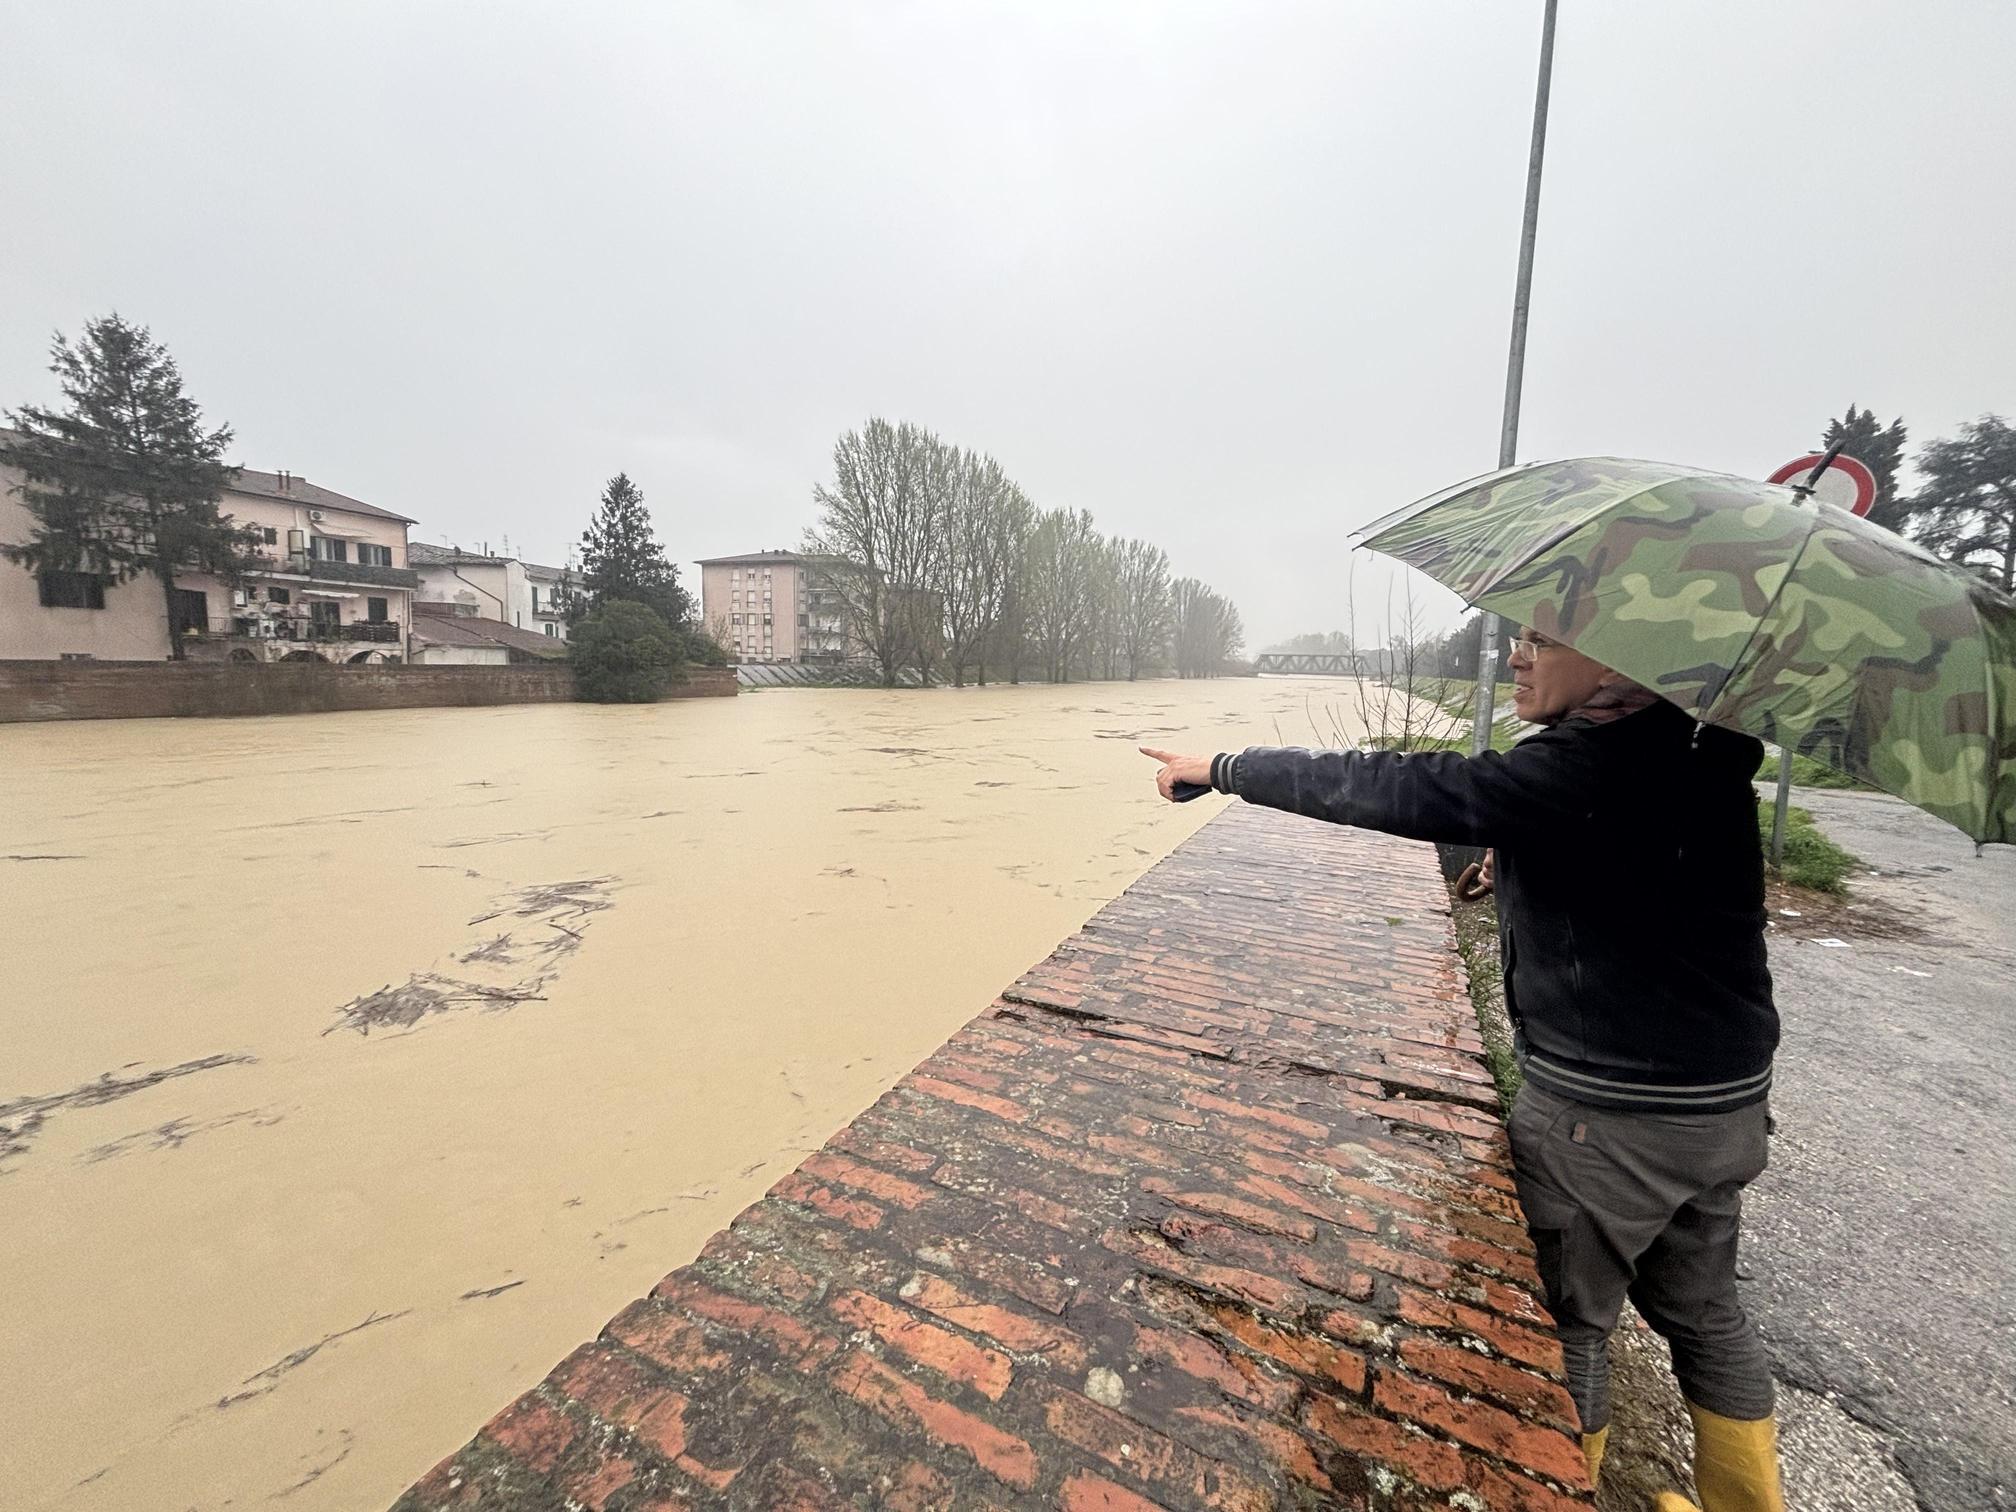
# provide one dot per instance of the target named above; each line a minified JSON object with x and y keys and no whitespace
{"x":1308,"y":664}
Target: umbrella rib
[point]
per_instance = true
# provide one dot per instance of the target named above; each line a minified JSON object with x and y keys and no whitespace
{"x":1561,"y":535}
{"x":1708,"y":715}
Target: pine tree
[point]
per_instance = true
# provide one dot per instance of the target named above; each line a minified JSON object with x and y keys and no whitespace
{"x":1966,"y":510}
{"x":621,"y":559}
{"x":125,"y":482}
{"x":1880,"y":448}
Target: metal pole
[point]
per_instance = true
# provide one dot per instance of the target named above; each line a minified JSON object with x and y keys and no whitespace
{"x":1784,"y":806}
{"x":1515,"y":368}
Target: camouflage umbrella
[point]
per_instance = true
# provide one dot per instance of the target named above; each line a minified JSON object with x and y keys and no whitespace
{"x":1751,"y":606}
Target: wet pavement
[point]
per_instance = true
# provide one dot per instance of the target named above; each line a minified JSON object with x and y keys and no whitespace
{"x":1877,"y":1246}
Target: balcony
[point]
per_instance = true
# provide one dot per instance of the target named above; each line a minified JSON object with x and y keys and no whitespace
{"x":317,"y":570}
{"x":383,"y":632}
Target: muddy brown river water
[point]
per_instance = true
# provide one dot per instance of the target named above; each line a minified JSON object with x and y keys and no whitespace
{"x":355,"y":1067}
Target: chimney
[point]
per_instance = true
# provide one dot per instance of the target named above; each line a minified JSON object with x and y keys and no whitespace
{"x":286,"y":481}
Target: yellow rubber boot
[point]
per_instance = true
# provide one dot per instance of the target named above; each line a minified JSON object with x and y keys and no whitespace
{"x":1735,"y":1463}
{"x":1593,"y":1445}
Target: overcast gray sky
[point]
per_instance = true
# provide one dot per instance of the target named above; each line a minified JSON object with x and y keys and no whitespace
{"x":1233,"y":277}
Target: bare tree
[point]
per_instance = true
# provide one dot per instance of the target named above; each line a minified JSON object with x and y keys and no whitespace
{"x":1109,"y":611}
{"x":1059,"y":582}
{"x":1208,"y":631}
{"x":987,"y":518}
{"x":880,"y":529}
{"x":1144,"y":612}
{"x":1406,"y":704}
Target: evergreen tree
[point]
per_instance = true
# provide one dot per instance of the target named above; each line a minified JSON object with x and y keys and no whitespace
{"x":622,"y":560}
{"x":1966,"y":511}
{"x":1880,"y":448}
{"x":624,"y":652}
{"x":124,"y":482}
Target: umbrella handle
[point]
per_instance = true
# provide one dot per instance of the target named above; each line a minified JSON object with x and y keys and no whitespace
{"x":1469,"y":886}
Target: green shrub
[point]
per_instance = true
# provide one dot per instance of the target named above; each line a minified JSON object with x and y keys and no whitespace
{"x":624,"y":653}
{"x":702,"y":650}
{"x":1811,"y":859}
{"x":1806,"y":772}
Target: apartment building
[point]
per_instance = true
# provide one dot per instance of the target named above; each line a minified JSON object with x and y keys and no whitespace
{"x":772,"y":606}
{"x":329,"y":582}
{"x":523,"y":595}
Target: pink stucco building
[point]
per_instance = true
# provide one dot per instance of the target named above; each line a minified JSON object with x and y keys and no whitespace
{"x":332,"y":583}
{"x":771,"y":606}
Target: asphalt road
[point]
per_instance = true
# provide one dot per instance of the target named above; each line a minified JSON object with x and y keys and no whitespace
{"x":1880,"y":1245}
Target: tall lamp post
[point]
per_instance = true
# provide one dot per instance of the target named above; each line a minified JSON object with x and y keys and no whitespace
{"x":1515,"y":370}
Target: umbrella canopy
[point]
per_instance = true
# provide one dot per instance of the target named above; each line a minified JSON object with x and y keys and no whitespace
{"x":1750,"y":606}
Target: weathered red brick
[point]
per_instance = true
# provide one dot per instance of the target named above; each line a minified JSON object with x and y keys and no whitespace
{"x":987,"y":1371}
{"x":1426,"y":1461}
{"x":1541,"y":1351}
{"x":1518,"y":1389}
{"x":1548,"y":1450}
{"x":1287,"y":1449}
{"x":852,"y":1211}
{"x":1153,"y":1458}
{"x":1086,"y":1492}
{"x":1230,"y":1280}
{"x":665,"y":1338}
{"x":532,"y":1432}
{"x":1231,"y":1374}
{"x":865,"y":1178}
{"x":786,"y":1334}
{"x":1001,"y":1454}
{"x":1252,"y":1215}
{"x":1006,"y":1327}
{"x":1288,"y":1123}
{"x":1000,"y":1107}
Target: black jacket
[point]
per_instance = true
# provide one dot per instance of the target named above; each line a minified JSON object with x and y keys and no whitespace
{"x":1630,"y":887}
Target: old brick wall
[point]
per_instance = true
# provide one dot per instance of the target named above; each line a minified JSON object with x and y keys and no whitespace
{"x":40,"y":690}
{"x":1211,"y":1210}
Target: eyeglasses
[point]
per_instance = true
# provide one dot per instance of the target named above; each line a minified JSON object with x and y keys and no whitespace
{"x":1531,"y":649}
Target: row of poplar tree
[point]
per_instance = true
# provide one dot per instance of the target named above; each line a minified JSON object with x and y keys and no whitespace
{"x":940,"y":563}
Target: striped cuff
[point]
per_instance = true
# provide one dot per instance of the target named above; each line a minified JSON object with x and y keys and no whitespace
{"x":1225,"y":771}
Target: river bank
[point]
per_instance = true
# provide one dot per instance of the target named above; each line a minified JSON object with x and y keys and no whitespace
{"x":360,"y":1064}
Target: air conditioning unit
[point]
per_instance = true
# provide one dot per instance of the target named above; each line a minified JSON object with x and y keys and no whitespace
{"x":314,"y":514}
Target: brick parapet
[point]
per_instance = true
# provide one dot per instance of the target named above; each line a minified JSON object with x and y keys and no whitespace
{"x":1210,"y":1210}
{"x":51,"y":690}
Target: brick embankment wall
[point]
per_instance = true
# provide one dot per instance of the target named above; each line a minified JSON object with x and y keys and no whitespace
{"x":1211,"y":1210}
{"x":42,"y":690}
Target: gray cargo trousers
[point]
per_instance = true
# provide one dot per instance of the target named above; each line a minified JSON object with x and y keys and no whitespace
{"x":1645,"y":1205}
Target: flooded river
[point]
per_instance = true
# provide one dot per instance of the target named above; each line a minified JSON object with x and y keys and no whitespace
{"x":353,"y":1068}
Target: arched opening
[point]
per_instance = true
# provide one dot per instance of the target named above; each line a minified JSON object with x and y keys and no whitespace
{"x":360,"y":658}
{"x":241,"y":654}
{"x":302,"y":656}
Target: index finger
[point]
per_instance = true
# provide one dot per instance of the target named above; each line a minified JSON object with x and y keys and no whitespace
{"x":1165,"y":757}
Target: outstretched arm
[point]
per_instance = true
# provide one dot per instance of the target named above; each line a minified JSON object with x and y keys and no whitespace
{"x":1424,"y":795}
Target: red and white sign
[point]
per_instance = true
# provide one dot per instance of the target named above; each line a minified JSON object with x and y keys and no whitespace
{"x":1847,"y":484}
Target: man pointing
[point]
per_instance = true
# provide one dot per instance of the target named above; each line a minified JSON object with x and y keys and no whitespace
{"x":1630,"y":886}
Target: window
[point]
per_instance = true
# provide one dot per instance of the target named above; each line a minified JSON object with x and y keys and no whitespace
{"x":551,"y":631}
{"x":269,"y":535}
{"x":374,"y":610}
{"x":734,"y":619}
{"x":323,"y":614}
{"x":373,"y":556}
{"x":324,"y":549}
{"x":72,"y":590}
{"x":189,"y":609}
{"x":535,"y":598}
{"x":279,"y":596}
